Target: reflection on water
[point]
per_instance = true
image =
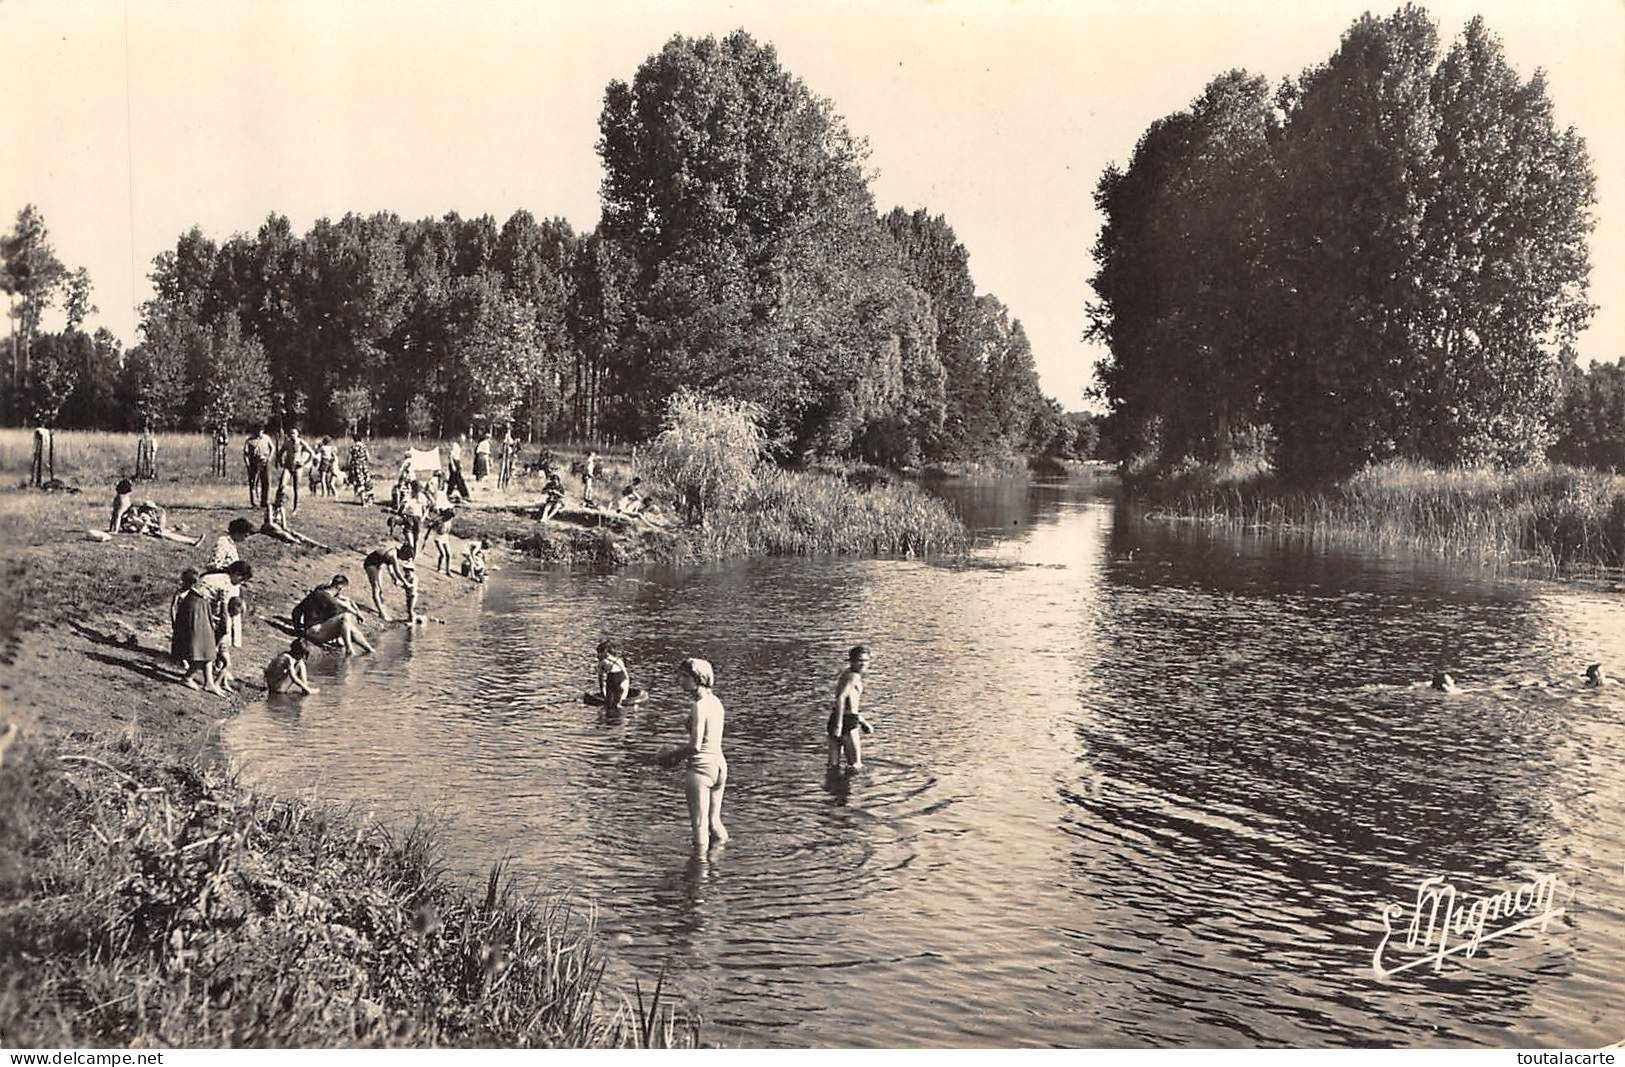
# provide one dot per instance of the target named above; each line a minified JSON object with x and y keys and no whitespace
{"x":1130,"y":784}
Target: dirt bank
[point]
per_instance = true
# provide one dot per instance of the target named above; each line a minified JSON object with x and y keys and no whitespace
{"x":85,"y":624}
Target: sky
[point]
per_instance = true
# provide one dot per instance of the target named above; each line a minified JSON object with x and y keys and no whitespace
{"x":142,"y":119}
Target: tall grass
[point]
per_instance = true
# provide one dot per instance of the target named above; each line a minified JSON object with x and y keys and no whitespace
{"x":1559,"y":518}
{"x":798,"y":513}
{"x":148,"y":903}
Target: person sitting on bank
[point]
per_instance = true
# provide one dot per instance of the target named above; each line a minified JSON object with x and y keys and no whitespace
{"x":397,"y":560}
{"x":552,"y":494}
{"x":614,"y":684}
{"x":121,"y":503}
{"x":326,"y":614}
{"x":630,"y":502}
{"x":287,"y":670}
{"x":144,"y":518}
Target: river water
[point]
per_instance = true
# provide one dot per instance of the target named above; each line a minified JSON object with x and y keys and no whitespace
{"x":1131,"y":784}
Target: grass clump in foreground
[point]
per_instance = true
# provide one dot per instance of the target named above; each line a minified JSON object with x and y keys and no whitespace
{"x":1562,"y":518}
{"x":145,"y":903}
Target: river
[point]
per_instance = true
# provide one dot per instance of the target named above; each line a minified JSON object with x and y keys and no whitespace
{"x":1131,"y":783}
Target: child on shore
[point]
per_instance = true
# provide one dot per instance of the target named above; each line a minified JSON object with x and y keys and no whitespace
{"x":287,"y":670}
{"x":846,"y":723}
{"x":474,"y":559}
{"x":121,"y":503}
{"x":614,"y":684}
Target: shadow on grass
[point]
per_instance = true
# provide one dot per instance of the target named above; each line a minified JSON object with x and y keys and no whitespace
{"x":147,"y":670}
{"x":110,"y":641}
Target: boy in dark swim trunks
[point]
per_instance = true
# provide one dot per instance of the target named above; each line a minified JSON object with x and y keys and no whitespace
{"x":846,"y":724}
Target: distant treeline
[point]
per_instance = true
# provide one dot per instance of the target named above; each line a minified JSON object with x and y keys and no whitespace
{"x":739,"y":254}
{"x":1384,"y":257}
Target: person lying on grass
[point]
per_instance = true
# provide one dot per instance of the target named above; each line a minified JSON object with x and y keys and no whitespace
{"x":276,"y":524}
{"x":143,"y":518}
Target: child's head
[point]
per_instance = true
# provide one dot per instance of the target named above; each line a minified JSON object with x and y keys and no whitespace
{"x":697,"y":671}
{"x":405,"y":553}
{"x":240,"y":529}
{"x":240,"y":571}
{"x":339,"y":582}
{"x":485,"y":542}
{"x":298,"y":649}
{"x":188,"y":578}
{"x":858,"y":655}
{"x":607,"y":650}
{"x":124,"y":487}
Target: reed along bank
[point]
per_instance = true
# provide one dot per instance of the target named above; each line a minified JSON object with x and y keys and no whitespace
{"x":1566,"y":520}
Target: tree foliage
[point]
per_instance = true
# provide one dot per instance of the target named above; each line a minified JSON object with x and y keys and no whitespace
{"x":1389,"y":261}
{"x":708,"y":450}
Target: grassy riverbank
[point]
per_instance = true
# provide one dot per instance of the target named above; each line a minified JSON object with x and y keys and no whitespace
{"x":1560,"y":519}
{"x":150,"y":900}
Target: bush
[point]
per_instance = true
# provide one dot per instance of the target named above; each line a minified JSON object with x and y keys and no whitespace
{"x":708,"y":451}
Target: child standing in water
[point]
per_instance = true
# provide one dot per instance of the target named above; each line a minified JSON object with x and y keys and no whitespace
{"x":614,"y":684}
{"x":706,"y":776}
{"x":846,"y":724}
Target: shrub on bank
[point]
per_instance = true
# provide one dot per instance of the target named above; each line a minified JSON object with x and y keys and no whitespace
{"x":153,"y":904}
{"x":800,"y":513}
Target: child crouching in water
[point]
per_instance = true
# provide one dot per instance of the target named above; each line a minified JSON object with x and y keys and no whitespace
{"x":474,"y":559}
{"x":287,"y":670}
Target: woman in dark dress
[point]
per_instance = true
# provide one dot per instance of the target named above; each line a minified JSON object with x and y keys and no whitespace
{"x":194,"y":639}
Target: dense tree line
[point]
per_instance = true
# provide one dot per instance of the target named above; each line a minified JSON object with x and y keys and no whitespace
{"x":1591,"y":420}
{"x":739,"y":255}
{"x":1386,"y":256}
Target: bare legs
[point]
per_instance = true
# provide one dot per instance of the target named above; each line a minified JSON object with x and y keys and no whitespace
{"x":705,"y":808}
{"x":374,"y":579}
{"x":340,"y":627}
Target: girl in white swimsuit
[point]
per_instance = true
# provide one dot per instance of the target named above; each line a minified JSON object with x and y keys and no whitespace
{"x":706,"y":771}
